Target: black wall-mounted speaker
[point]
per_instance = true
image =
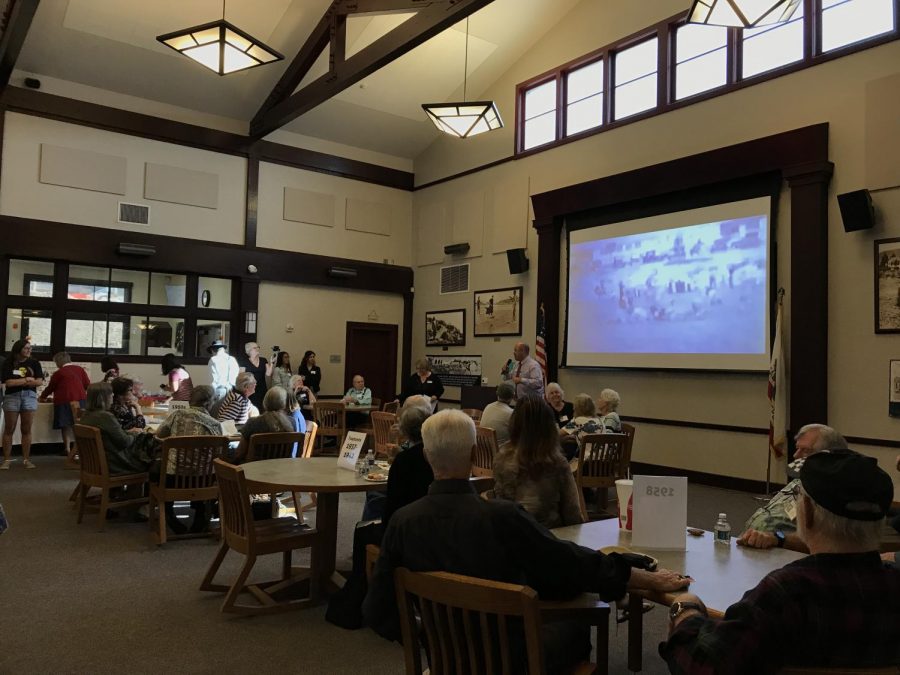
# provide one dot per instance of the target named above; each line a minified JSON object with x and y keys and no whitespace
{"x":515,"y":258}
{"x":857,"y":210}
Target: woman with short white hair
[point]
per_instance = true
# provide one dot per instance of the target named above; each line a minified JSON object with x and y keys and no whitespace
{"x":562,"y":409}
{"x":257,"y":366}
{"x":236,"y":405}
{"x":585,"y":421}
{"x":607,"y":405}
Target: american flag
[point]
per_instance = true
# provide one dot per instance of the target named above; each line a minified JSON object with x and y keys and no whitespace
{"x":540,"y":345}
{"x":778,"y":389}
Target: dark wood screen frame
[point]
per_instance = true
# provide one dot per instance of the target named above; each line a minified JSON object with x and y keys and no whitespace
{"x":800,"y":157}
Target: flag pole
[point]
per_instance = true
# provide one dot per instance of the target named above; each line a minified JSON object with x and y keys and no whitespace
{"x":777,"y":385}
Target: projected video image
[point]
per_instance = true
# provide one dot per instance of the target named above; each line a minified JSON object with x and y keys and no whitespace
{"x":699,"y":289}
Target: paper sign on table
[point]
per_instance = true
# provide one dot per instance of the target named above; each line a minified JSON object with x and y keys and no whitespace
{"x":660,"y":512}
{"x":179,"y":405}
{"x":353,"y":445}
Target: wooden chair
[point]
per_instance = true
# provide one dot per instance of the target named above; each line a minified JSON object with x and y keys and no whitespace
{"x":193,"y":478}
{"x":474,"y":413}
{"x":386,"y":441}
{"x":628,"y":430}
{"x":308,"y":447}
{"x":391,"y":407}
{"x":95,"y":473}
{"x":277,"y":445}
{"x":485,"y":451}
{"x":72,"y":452}
{"x":331,"y":417}
{"x":466,"y":624}
{"x":603,"y":459}
{"x":252,"y":539}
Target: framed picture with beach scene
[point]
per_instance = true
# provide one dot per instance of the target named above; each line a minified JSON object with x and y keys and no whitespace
{"x":498,"y":312}
{"x":887,"y":285}
{"x":445,"y":329}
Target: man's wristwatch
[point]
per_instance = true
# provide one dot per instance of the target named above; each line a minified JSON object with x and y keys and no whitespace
{"x":679,"y":608}
{"x":779,"y":538}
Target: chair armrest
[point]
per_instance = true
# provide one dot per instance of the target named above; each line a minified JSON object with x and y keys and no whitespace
{"x":586,"y":607}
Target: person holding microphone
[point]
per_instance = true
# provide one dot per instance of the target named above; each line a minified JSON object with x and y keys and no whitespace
{"x":524,"y":372}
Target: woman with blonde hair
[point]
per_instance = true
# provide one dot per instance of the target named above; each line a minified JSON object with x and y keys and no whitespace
{"x":531,"y":469}
{"x":607,"y":407}
{"x":585,"y":421}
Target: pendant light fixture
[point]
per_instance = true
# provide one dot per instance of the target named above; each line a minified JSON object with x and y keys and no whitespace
{"x":220,"y":46}
{"x":465,"y":118}
{"x":742,"y":13}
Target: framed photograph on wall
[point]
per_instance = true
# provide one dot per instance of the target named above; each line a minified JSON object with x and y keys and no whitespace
{"x":887,"y":285}
{"x":445,"y":328}
{"x":498,"y":312}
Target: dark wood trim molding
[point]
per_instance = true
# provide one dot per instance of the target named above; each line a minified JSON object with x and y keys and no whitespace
{"x":84,"y":113}
{"x":252,"y":200}
{"x":880,"y":442}
{"x":703,"y":478}
{"x":549,"y":251}
{"x":706,"y":426}
{"x":406,"y":354}
{"x":21,"y":14}
{"x":799,"y":156}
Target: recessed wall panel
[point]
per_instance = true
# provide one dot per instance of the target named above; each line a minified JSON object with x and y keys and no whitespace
{"x":82,"y":169}
{"x":366,"y":216}
{"x":305,"y":206}
{"x":173,"y":184}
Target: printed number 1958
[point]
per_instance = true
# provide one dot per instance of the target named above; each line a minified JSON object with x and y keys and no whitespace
{"x":654,"y":491}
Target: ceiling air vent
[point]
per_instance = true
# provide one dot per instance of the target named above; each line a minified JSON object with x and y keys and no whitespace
{"x":455,"y":279}
{"x":137,"y":214}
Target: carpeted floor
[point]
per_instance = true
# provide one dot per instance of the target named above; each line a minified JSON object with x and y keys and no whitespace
{"x":75,"y":600}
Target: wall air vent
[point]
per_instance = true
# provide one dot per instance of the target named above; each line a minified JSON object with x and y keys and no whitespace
{"x":455,"y":279}
{"x":136,"y":214}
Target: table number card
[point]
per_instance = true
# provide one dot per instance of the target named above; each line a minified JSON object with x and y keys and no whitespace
{"x":353,"y":445}
{"x":179,"y":405}
{"x":660,"y":512}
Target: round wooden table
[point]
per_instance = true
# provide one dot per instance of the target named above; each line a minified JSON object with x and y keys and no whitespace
{"x":315,"y":474}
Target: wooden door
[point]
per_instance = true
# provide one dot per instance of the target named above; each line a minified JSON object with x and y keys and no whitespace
{"x":372,"y":352}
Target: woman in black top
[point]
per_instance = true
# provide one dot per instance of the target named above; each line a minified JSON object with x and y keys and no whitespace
{"x":562,"y":410}
{"x":22,"y":375}
{"x":312,"y":373}
{"x":423,"y":383}
{"x":257,"y":366}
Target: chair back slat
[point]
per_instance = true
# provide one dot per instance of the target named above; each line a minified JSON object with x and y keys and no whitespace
{"x":485,"y":451}
{"x":90,"y":449}
{"x":188,"y":462}
{"x":331,"y":417}
{"x":466,"y":624}
{"x":392,"y":407}
{"x":273,"y":445}
{"x":383,"y":426}
{"x":474,"y":413}
{"x":603,"y":460}
{"x":234,"y":506}
{"x":309,"y":440}
{"x":628,"y":430}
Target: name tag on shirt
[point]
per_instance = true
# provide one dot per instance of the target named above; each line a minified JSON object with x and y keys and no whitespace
{"x":312,"y":372}
{"x":428,"y":382}
{"x":564,"y":418}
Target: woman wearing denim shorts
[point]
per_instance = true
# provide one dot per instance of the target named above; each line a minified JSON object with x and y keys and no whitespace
{"x":22,"y":375}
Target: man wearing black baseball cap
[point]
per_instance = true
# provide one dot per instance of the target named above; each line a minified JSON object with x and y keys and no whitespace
{"x":840,"y":606}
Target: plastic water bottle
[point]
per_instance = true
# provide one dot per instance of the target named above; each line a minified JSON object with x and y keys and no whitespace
{"x":370,"y":461}
{"x":723,"y":530}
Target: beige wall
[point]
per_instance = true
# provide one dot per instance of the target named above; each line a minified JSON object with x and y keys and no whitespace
{"x":273,"y":231}
{"x":833,"y":92}
{"x":319,"y":318}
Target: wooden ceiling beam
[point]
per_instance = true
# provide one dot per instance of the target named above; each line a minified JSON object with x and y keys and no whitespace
{"x":284,"y":104}
{"x":21,"y":13}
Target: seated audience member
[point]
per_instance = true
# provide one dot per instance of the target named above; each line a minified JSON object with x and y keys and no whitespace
{"x":126,"y":451}
{"x":531,"y":469}
{"x":585,"y":420}
{"x":275,"y":419}
{"x":562,"y":410}
{"x":179,"y":381}
{"x":110,"y":368}
{"x":236,"y":404}
{"x":304,"y":395}
{"x":775,"y":524}
{"x":607,"y":405}
{"x":496,"y":415}
{"x":67,"y":385}
{"x":831,"y":608}
{"x":410,"y":474}
{"x":452,"y":529}
{"x":292,"y":410}
{"x":311,"y":372}
{"x":358,"y":394}
{"x":125,"y":407}
{"x":424,"y":383}
{"x":193,"y":421}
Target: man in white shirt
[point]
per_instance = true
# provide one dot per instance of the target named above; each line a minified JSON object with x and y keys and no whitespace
{"x":524,"y":372}
{"x":496,"y":415}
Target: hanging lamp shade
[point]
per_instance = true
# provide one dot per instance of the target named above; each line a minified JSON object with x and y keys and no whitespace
{"x":221,"y":47}
{"x":464,"y":119}
{"x":742,"y":13}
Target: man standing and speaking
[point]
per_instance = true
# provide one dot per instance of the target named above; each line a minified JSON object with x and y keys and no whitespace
{"x":524,"y":372}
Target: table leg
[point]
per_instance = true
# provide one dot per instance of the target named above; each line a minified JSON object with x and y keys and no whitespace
{"x":326,"y":524}
{"x":635,"y":631}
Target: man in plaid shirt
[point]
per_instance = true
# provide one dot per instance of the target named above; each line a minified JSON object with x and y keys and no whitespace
{"x":775,"y":523}
{"x":839,"y":606}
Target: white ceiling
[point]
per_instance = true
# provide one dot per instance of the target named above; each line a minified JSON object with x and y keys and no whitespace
{"x":111,"y":44}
